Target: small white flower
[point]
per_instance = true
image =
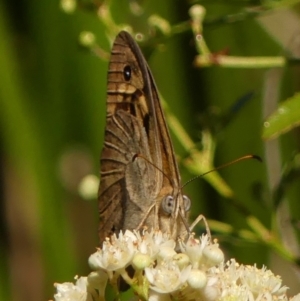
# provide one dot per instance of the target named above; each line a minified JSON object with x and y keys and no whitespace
{"x":166,"y":277}
{"x":229,"y":271}
{"x":193,"y":248}
{"x":75,"y":292}
{"x":127,"y":235}
{"x":235,"y":292}
{"x":159,"y":238}
{"x":238,"y":282}
{"x":146,"y":244}
{"x":165,"y":253}
{"x":115,"y":254}
{"x":198,"y":273}
{"x":156,"y":244}
{"x":261,"y":280}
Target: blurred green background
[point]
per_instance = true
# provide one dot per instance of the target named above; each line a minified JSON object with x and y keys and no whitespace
{"x":52,"y":114}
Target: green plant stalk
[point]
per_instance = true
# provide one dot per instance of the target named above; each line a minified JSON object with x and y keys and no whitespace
{"x":269,"y":239}
{"x":239,"y":62}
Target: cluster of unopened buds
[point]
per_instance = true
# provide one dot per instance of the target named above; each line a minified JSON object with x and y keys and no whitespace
{"x":158,"y":268}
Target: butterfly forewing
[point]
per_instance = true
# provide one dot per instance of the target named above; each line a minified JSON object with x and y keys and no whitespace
{"x":134,"y":125}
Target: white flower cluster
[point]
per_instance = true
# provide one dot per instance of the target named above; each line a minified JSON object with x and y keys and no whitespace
{"x":195,"y":272}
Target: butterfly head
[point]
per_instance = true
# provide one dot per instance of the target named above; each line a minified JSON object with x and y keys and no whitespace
{"x":174,"y":208}
{"x":174,"y":205}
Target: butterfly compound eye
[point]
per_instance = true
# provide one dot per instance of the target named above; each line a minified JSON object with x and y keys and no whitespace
{"x":186,"y":203}
{"x":127,"y":73}
{"x":168,"y":204}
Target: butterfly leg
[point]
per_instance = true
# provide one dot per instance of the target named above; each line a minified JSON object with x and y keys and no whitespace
{"x":197,"y":220}
{"x":145,"y":217}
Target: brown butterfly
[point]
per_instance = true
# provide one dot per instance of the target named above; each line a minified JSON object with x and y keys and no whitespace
{"x":140,"y":182}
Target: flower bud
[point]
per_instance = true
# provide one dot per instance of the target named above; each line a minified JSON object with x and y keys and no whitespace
{"x":182,"y":260}
{"x":213,"y":254}
{"x":141,"y":261}
{"x":197,"y":279}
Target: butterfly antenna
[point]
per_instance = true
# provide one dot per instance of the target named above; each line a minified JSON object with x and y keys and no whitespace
{"x":246,"y":157}
{"x":143,"y":157}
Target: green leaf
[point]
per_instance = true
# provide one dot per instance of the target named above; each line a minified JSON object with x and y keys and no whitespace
{"x":285,"y":118}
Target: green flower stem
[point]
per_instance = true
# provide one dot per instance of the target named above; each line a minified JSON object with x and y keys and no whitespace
{"x":180,"y":28}
{"x":239,"y":62}
{"x":136,"y":286}
{"x":269,"y":239}
{"x":108,"y":21}
{"x":198,"y":162}
{"x":259,"y":233}
{"x":197,"y":13}
{"x":272,"y":5}
{"x":100,"y":296}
